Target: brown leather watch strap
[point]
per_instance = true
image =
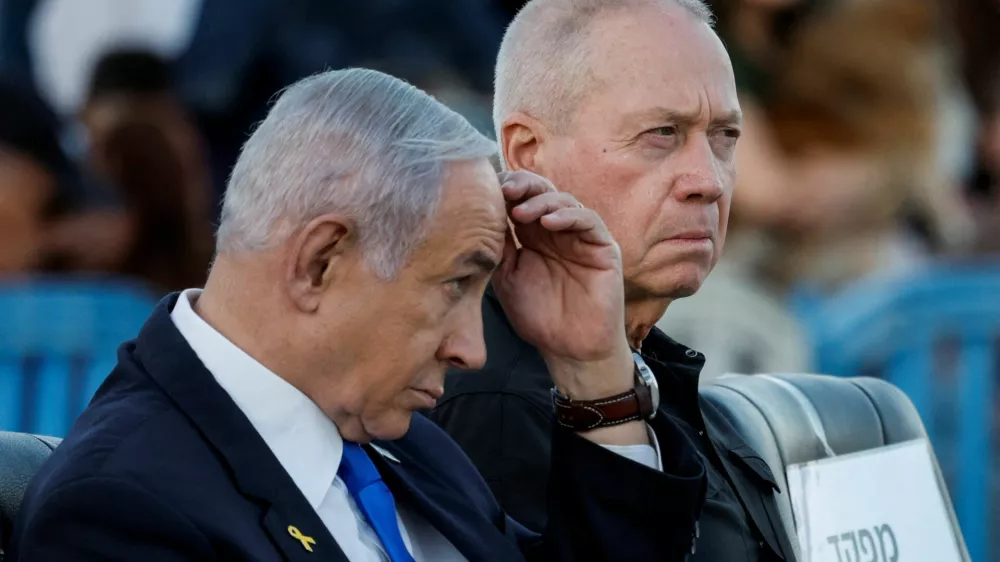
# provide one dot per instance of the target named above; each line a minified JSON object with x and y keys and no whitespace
{"x":584,"y":415}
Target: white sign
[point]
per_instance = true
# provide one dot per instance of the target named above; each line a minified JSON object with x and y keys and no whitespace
{"x":880,"y":505}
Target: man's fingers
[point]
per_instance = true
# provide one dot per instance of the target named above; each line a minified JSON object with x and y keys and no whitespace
{"x":585,"y":222}
{"x":522,"y":184}
{"x":541,"y":205}
{"x":531,"y":198}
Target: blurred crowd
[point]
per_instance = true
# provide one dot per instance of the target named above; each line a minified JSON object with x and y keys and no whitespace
{"x":871,"y":139}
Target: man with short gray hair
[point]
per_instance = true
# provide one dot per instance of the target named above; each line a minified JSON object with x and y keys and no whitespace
{"x":630,"y":106}
{"x":270,"y":415}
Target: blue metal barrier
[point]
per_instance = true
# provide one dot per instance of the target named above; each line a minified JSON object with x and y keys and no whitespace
{"x":58,"y":342}
{"x":935,"y":333}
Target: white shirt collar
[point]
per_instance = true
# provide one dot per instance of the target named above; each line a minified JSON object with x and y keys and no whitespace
{"x":305,"y":441}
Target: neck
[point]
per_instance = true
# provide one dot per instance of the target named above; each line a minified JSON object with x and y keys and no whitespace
{"x":239,"y":302}
{"x":640,"y":317}
{"x":223,"y":305}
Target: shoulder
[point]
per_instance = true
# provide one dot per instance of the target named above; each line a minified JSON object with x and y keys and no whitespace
{"x":99,"y":517}
{"x":116,"y":477}
{"x":131,"y":433}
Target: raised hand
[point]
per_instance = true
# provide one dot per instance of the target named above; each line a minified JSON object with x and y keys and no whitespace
{"x":562,"y":289}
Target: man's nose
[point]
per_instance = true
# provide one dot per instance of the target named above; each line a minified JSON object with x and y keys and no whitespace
{"x":465,"y":347}
{"x":698,"y":178}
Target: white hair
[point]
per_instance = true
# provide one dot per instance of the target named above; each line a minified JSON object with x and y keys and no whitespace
{"x":542,"y":68}
{"x":355,"y":142}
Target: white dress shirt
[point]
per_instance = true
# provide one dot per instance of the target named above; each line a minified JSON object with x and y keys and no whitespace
{"x":309,"y":446}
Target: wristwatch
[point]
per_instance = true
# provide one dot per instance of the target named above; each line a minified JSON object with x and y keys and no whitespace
{"x":639,"y":403}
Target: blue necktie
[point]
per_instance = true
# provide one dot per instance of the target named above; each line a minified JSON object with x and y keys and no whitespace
{"x":374,"y":499}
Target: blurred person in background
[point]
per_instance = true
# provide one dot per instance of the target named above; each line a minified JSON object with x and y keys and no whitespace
{"x":991,"y":138}
{"x":65,"y":38}
{"x":168,"y":248}
{"x":862,"y":128}
{"x":977,"y":22}
{"x":984,"y":187}
{"x":134,"y":86}
{"x":140,"y":141}
{"x":56,"y":219}
{"x":756,"y":33}
{"x":38,"y":181}
{"x":858,"y":136}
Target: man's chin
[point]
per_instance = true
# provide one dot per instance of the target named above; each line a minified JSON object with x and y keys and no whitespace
{"x":683,"y":291}
{"x":668,"y":285}
{"x":389,"y":426}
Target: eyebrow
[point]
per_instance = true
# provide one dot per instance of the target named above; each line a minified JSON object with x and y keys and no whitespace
{"x":479,"y":259}
{"x":662,"y":114}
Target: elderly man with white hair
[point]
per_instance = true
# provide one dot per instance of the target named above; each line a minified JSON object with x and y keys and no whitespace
{"x":269,"y":416}
{"x":631,"y":107}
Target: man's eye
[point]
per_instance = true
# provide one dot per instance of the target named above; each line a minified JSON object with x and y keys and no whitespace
{"x":725,"y":140}
{"x":457,"y":286}
{"x":667,"y":131}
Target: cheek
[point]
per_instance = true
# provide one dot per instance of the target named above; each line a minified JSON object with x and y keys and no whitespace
{"x":412,"y":346}
{"x":625,"y":193}
{"x":636,"y":217}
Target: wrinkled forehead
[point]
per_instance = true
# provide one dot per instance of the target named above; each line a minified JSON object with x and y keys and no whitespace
{"x":471,"y":205}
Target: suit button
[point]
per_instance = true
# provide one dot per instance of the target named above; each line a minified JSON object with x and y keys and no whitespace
{"x":760,"y":544}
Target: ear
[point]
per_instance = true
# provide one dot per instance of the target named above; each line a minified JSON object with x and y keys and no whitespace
{"x":316,"y":252}
{"x":521,"y":139}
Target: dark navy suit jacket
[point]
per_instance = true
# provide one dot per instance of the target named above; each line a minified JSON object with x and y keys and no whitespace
{"x":164,"y":466}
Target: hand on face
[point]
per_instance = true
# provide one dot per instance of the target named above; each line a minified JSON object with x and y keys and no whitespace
{"x":563,"y":289}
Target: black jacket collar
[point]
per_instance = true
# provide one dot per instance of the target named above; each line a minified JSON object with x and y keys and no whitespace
{"x":677,"y":368}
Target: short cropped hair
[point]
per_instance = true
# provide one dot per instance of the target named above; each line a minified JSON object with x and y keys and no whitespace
{"x":542,"y":68}
{"x":355,"y":142}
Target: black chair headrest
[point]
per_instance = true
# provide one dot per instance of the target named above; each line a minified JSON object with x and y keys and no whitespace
{"x":21,"y":455}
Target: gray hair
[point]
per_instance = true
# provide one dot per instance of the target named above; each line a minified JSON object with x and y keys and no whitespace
{"x":355,"y":142}
{"x":542,"y":65}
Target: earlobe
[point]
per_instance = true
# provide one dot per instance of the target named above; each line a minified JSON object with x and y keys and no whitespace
{"x":315,"y":253}
{"x":521,"y":138}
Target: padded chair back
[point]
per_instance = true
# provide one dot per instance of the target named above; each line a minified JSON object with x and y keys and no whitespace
{"x":21,"y":455}
{"x":777,"y":414}
{"x":58,"y":342}
{"x":935,"y":334}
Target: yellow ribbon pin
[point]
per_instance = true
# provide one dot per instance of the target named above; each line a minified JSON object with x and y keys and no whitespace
{"x":306,"y":541}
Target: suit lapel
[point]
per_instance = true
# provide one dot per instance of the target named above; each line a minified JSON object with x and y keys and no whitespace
{"x":256,"y":472}
{"x":301,"y":539}
{"x":435,"y":499}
